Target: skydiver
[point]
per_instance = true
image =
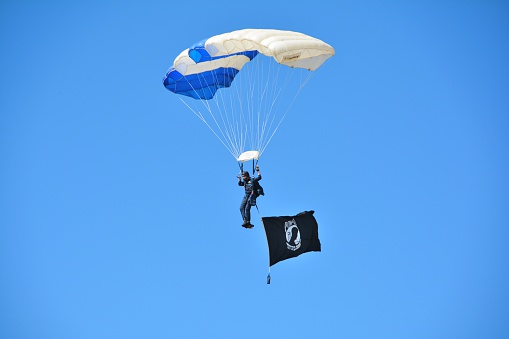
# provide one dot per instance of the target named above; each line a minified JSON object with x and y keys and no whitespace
{"x":249,"y":198}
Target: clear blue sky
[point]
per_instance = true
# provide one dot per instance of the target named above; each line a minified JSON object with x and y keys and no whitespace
{"x":119,"y":209}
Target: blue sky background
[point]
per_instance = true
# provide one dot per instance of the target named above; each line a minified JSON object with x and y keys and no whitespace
{"x":119,"y":209}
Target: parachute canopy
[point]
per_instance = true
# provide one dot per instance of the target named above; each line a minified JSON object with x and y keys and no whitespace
{"x":213,"y":63}
{"x":270,"y":67}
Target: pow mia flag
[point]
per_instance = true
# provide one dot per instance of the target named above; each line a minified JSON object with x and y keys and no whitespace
{"x":290,"y":236}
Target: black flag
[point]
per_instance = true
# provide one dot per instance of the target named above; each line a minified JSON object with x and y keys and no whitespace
{"x":289,"y":237}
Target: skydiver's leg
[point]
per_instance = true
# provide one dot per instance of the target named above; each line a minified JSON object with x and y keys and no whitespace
{"x":243,"y":205}
{"x":247,"y":212}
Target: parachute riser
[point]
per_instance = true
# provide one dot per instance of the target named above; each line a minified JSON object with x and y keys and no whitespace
{"x":241,"y":166}
{"x":248,"y":156}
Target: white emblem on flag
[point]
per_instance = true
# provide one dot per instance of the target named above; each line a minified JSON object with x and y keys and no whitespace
{"x":292,"y":235}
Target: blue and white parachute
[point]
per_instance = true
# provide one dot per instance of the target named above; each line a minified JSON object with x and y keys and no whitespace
{"x":245,"y":115}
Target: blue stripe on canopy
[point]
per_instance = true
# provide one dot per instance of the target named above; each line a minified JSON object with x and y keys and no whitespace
{"x":199,"y":86}
{"x":203,"y":85}
{"x":198,"y":53}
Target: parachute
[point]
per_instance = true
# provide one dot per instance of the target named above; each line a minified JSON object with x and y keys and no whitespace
{"x":270,"y":67}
